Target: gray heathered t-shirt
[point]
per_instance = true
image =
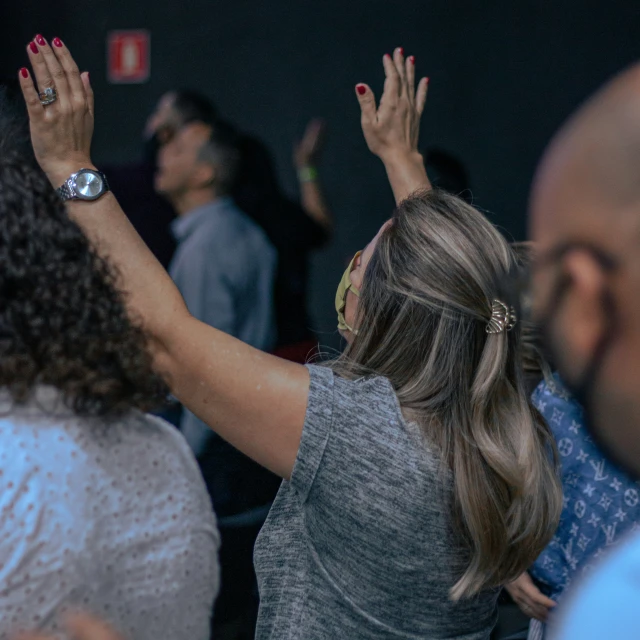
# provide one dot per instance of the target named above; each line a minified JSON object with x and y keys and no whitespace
{"x":358,"y":544}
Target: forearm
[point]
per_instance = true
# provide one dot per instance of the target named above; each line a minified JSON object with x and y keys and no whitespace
{"x":152,"y":296}
{"x":406,"y":173}
{"x":314,"y":204}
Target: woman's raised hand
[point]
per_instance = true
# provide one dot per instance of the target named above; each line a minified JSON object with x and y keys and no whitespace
{"x":392,"y":130}
{"x":61,"y":131}
{"x":393,"y":127}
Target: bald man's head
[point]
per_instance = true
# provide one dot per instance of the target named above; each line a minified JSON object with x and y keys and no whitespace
{"x":591,"y":171}
{"x":585,"y":220}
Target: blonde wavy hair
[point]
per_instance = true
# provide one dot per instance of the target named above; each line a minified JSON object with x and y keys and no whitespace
{"x":422,"y":314}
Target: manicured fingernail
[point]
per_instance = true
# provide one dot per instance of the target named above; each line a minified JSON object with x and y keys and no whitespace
{"x":40,"y":40}
{"x":412,"y":59}
{"x":57,"y":42}
{"x":361,"y":89}
{"x":24,"y":73}
{"x":386,"y":55}
{"x":33,"y":47}
{"x":426,"y":80}
{"x":401,"y":51}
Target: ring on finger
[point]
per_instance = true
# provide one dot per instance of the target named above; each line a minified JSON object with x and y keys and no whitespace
{"x":48,"y":96}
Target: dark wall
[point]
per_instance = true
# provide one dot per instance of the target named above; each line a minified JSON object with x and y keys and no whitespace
{"x":504,"y":74}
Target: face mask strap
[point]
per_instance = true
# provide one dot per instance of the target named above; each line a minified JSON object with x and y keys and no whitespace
{"x":349,"y":286}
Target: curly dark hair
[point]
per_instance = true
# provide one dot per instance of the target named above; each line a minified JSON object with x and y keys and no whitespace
{"x":63,"y":320}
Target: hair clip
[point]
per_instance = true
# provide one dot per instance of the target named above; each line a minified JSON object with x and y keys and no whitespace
{"x":503,"y":318}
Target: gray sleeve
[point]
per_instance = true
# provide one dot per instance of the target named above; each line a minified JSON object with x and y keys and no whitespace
{"x":344,"y":419}
{"x":316,"y":430}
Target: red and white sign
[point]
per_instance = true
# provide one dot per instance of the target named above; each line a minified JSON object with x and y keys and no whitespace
{"x":128,"y":56}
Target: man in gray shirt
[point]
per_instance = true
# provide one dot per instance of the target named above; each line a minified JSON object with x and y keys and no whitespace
{"x":224,"y":267}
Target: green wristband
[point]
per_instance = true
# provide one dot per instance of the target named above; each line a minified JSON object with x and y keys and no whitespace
{"x":308,"y":174}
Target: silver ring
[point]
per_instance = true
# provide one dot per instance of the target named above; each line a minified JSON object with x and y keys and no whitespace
{"x":48,"y":96}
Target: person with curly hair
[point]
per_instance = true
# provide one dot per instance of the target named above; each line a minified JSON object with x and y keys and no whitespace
{"x":103,"y":506}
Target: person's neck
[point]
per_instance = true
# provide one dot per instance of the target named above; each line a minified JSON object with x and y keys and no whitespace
{"x":186,"y":202}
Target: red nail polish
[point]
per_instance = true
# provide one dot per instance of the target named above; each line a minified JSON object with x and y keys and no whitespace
{"x":24,"y":73}
{"x":361,"y":89}
{"x":412,"y":59}
{"x":57,"y":42}
{"x":401,"y":50}
{"x":33,"y":47}
{"x":40,"y":40}
{"x":426,"y":80}
{"x":386,"y":55}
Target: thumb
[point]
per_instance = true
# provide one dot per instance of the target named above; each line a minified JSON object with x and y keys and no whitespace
{"x":367,"y":102}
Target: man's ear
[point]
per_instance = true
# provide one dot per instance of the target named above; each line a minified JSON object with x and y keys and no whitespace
{"x":203,"y":176}
{"x":581,"y":319}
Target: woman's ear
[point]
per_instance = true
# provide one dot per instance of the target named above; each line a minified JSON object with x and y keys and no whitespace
{"x":362,"y":261}
{"x":357,"y":273}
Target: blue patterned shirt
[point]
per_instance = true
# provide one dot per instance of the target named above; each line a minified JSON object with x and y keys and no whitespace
{"x":601,"y":502}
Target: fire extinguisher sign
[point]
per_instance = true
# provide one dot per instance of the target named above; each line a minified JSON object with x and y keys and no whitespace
{"x":128,"y":56}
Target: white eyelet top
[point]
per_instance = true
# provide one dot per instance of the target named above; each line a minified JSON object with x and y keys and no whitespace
{"x":111,"y":517}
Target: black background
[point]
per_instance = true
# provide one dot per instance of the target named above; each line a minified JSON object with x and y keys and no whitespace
{"x":504,"y":75}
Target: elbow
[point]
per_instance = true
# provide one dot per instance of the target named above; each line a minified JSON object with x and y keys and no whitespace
{"x":162,"y":361}
{"x":162,"y":341}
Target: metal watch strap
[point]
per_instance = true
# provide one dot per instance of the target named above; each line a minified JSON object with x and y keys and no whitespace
{"x":65,"y":191}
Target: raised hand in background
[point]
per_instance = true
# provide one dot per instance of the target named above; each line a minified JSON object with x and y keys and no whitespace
{"x":306,"y":154}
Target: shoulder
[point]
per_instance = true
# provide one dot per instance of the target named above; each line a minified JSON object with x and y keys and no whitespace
{"x":355,"y":438}
{"x":144,"y":455}
{"x":365,"y":410}
{"x":53,"y":449}
{"x":145,"y":432}
{"x":354,"y":398}
{"x":234,"y":229}
{"x":70,"y":465}
{"x":163,"y":464}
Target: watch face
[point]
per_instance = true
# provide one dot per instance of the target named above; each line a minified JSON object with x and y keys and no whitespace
{"x":88,"y":185}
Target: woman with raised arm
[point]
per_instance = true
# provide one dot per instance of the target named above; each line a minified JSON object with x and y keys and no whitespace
{"x":417,"y":478}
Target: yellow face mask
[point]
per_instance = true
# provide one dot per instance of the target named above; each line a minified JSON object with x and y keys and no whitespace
{"x":341,"y":295}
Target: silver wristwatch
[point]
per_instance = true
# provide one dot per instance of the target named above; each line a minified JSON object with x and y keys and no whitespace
{"x":86,"y":184}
